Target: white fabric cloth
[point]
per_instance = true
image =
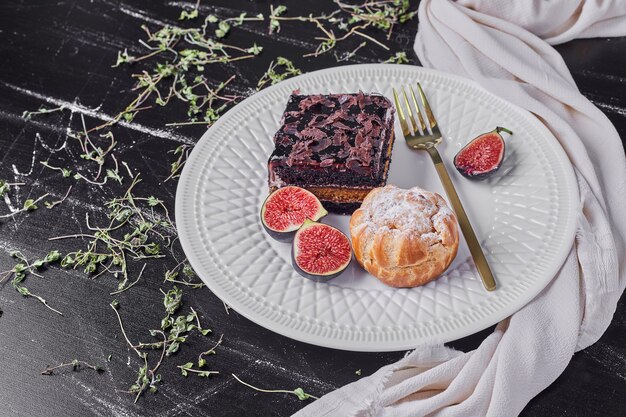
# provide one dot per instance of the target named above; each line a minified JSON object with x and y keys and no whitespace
{"x":499,"y":44}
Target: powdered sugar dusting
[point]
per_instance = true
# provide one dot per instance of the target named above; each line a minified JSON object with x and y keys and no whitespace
{"x":414,"y":211}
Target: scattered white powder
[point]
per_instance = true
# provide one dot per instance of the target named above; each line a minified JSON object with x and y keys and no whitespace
{"x":414,"y":211}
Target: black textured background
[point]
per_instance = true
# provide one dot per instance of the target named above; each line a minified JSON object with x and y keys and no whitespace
{"x":61,"y":52}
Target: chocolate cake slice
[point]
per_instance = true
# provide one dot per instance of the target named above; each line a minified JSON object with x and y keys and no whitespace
{"x":338,"y":146}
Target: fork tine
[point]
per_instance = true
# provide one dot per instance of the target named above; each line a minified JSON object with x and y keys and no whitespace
{"x":419,"y":113}
{"x":403,"y":124}
{"x":429,"y":112}
{"x":410,"y":112}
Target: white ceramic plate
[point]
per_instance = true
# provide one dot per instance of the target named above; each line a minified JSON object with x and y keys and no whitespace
{"x":524,"y":216}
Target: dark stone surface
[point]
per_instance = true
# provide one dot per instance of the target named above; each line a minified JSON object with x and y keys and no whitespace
{"x":61,"y":53}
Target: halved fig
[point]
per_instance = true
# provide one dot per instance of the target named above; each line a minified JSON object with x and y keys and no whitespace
{"x":286,"y":209}
{"x":482,"y":156}
{"x":320,"y":252}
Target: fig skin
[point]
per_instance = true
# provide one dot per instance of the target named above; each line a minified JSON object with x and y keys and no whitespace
{"x":486,"y":174}
{"x":287,"y":236}
{"x":310,"y":275}
{"x":284,"y":237}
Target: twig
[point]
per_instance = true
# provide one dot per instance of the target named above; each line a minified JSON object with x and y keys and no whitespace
{"x":297,"y":392}
{"x":54,"y":203}
{"x":129,"y":286}
{"x":75,"y":364}
{"x":119,"y":319}
{"x":26,"y":208}
{"x":212,"y":350}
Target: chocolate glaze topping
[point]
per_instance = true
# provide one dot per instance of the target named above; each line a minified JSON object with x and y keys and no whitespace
{"x":342,"y":131}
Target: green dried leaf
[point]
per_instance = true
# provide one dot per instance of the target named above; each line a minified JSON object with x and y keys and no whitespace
{"x":301,"y":394}
{"x":52,"y":256}
{"x":185,"y":15}
{"x":114,"y":174}
{"x":4,"y":188}
{"x":188,"y":271}
{"x":254,"y":49}
{"x":172,"y":300}
{"x":30,"y":204}
{"x":23,"y":290}
{"x":222,"y":29}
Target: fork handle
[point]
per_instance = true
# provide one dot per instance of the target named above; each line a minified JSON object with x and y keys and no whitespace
{"x":470,"y":237}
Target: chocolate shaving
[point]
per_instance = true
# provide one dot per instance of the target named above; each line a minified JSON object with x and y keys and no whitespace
{"x":359,"y":139}
{"x":355,"y":166}
{"x":381,"y":102}
{"x":291,"y":128}
{"x":340,"y":125}
{"x":322,"y":144}
{"x":339,"y":138}
{"x":344,"y":152}
{"x":299,"y":152}
{"x":328,"y":119}
{"x":347,"y":101}
{"x":293,"y":114}
{"x":309,"y":101}
{"x":284,"y":140}
{"x":364,"y":100}
{"x":333,"y":129}
{"x":312,"y":133}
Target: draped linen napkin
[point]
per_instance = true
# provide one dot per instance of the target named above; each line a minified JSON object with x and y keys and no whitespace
{"x":504,"y":46}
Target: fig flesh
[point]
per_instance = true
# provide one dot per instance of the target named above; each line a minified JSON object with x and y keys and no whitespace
{"x":482,"y":156}
{"x":320,"y":252}
{"x":286,"y":209}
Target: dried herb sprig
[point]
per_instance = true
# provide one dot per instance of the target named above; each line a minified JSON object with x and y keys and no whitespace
{"x":93,"y":153}
{"x":349,"y":20}
{"x":27,"y":115}
{"x":192,"y":14}
{"x":206,"y":102}
{"x":398,"y":58}
{"x":178,"y":328}
{"x":5,"y":186}
{"x":23,"y":268}
{"x":188,"y":367}
{"x":183,"y":153}
{"x":121,"y":290}
{"x":28,"y":205}
{"x":298,"y":392}
{"x":172,"y":275}
{"x":201,"y":360}
{"x":147,"y":378}
{"x":224,"y":25}
{"x":52,"y":204}
{"x":64,"y":171}
{"x":349,"y":55}
{"x":174,"y":331}
{"x":76,"y":365}
{"x":179,"y":77}
{"x":132,"y":233}
{"x":382,"y":14}
{"x":279,"y":69}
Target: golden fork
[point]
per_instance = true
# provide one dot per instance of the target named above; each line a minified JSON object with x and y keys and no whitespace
{"x":426,"y":138}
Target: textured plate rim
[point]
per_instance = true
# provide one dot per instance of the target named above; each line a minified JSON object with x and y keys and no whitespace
{"x":190,"y":245}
